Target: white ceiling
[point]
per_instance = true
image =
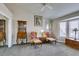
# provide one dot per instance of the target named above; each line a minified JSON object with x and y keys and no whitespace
{"x":59,"y":9}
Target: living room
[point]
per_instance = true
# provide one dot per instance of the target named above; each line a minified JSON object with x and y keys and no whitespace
{"x":53,"y":19}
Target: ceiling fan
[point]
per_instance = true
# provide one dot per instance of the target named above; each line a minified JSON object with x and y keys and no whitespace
{"x":44,"y":5}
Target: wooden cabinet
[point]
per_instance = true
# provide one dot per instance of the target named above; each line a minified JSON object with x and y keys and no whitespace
{"x":2,"y":31}
{"x":72,"y":43}
{"x":21,"y":34}
{"x":22,"y":26}
{"x":2,"y":25}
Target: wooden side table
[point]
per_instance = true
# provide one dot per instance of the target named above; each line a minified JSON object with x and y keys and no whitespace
{"x":43,"y":39}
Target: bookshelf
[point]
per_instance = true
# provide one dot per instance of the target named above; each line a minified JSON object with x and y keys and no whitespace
{"x":22,"y":34}
{"x":2,"y":31}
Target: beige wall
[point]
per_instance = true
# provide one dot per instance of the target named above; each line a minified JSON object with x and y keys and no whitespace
{"x":6,"y":29}
{"x":56,"y":28}
{"x":8,"y":16}
{"x":5,"y":12}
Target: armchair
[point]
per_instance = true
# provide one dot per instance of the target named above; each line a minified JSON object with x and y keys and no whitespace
{"x":49,"y":37}
{"x":34,"y":39}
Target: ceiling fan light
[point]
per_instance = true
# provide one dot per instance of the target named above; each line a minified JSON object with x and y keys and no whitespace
{"x":46,"y":6}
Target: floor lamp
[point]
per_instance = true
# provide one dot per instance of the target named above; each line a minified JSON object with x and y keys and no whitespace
{"x":75,"y":30}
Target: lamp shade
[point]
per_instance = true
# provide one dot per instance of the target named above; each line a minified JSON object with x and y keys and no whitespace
{"x":75,"y":29}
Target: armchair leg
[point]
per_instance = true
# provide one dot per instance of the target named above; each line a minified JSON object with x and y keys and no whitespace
{"x":41,"y":44}
{"x":55,"y":41}
{"x":17,"y":41}
{"x":4,"y":42}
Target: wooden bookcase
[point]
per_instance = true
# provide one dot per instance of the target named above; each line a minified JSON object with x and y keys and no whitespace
{"x":22,"y":34}
{"x":2,"y":25}
{"x":22,"y":26}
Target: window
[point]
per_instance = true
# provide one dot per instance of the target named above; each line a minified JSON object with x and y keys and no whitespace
{"x":72,"y":25}
{"x":67,"y":28}
{"x":63,"y":29}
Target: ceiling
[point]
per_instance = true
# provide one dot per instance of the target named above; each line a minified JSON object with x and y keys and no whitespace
{"x":59,"y":9}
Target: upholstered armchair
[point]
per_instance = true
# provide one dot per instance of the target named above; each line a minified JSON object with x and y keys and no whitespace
{"x":34,"y":39}
{"x":33,"y":35}
{"x":45,"y":34}
{"x":49,"y":37}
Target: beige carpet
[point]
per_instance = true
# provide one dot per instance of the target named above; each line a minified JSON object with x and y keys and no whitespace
{"x":46,"y":50}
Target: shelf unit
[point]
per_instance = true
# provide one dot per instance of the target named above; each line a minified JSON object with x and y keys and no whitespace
{"x":2,"y":31}
{"x":22,"y":34}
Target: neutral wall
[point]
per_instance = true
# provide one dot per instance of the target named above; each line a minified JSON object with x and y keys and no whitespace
{"x":30,"y":24}
{"x":5,"y":12}
{"x":20,"y":15}
{"x":4,"y":18}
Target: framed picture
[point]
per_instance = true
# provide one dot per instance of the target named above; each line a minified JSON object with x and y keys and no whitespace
{"x":38,"y":21}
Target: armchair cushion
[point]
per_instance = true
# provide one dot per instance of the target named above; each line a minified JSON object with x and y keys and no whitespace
{"x":36,"y":41}
{"x":33,"y":35}
{"x":51,"y":39}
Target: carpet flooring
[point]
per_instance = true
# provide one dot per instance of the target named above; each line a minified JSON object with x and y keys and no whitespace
{"x":45,"y":50}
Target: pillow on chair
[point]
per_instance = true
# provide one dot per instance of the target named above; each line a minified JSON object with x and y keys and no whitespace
{"x":33,"y":35}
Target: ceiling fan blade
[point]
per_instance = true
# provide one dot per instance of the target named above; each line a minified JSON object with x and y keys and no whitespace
{"x":50,"y":7}
{"x":42,"y":9}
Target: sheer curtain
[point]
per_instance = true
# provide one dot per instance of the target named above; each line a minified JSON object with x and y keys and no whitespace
{"x":63,"y":32}
{"x":63,"y":29}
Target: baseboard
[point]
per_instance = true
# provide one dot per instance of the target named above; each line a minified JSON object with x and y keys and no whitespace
{"x":4,"y":46}
{"x":60,"y":42}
